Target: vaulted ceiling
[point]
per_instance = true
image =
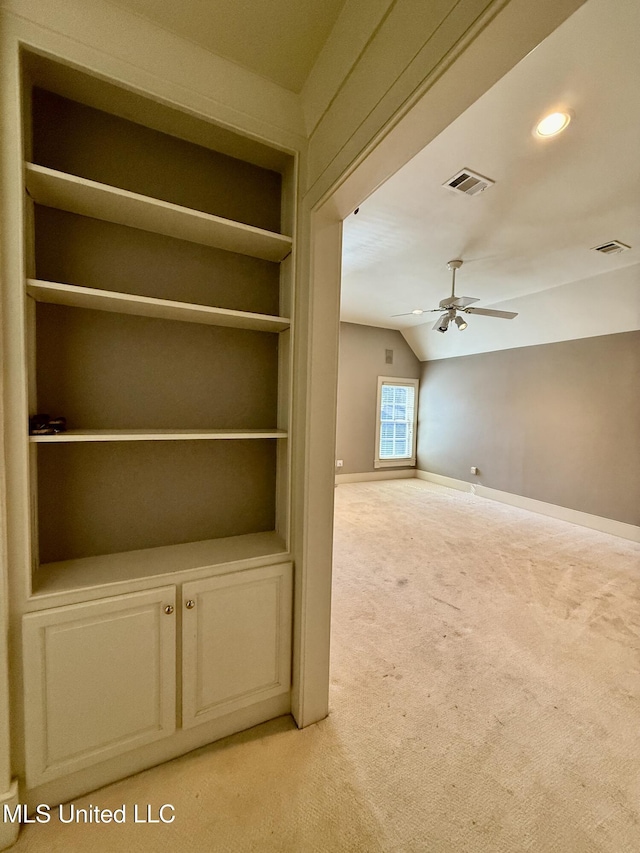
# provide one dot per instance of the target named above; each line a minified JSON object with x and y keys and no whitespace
{"x":553,"y":200}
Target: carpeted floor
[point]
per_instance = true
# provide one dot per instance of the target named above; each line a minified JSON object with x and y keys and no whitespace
{"x":485,"y":699}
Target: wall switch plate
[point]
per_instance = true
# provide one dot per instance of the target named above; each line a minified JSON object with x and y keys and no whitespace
{"x":474,"y":470}
{"x":339,"y":463}
{"x":388,"y":356}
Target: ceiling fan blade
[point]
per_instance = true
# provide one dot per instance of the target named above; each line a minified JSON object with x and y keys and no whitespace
{"x":490,"y":312}
{"x":457,"y":301}
{"x":463,"y":301}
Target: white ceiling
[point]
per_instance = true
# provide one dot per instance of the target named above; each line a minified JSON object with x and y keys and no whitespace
{"x":552,"y":201}
{"x":278,"y":39}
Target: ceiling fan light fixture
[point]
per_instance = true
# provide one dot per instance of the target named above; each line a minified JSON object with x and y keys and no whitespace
{"x":451,"y":305}
{"x":553,"y":123}
{"x":443,"y":323}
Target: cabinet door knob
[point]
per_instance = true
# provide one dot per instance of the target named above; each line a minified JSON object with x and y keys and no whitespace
{"x":190,"y":604}
{"x":169,"y":609}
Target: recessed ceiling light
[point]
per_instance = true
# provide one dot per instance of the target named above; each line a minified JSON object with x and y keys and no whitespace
{"x":552,"y":124}
{"x":417,"y":311}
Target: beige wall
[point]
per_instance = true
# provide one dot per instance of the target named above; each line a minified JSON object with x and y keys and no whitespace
{"x":177,"y":491}
{"x":121,"y":153}
{"x":559,"y":422}
{"x":362,"y":360}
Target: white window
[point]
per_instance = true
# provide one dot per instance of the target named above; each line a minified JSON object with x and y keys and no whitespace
{"x":396,"y":423}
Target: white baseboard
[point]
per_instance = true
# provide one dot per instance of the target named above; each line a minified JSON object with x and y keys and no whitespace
{"x":441,"y":480}
{"x":366,"y":476}
{"x":584,"y":519}
{"x":9,"y":831}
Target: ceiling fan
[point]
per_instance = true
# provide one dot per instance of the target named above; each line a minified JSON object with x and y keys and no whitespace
{"x":453,"y":305}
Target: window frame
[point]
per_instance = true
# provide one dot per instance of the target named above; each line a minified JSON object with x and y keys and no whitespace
{"x":404,"y":461}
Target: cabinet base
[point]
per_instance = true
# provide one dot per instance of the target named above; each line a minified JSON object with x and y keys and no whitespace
{"x":182,"y":741}
{"x":8,"y":831}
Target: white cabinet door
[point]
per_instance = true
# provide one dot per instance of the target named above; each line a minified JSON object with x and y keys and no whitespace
{"x":236,"y":641}
{"x":99,"y":680}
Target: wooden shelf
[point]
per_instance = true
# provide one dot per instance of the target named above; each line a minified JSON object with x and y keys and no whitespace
{"x":147,"y":306}
{"x":77,"y":435}
{"x":125,"y":567}
{"x":100,"y":201}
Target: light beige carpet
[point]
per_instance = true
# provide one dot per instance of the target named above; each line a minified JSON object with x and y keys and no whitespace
{"x":485,"y":697}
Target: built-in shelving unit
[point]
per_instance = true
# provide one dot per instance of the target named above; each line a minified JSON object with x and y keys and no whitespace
{"x":151,"y":306}
{"x":134,"y":382}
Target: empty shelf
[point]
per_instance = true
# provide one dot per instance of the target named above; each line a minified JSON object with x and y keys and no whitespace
{"x":156,"y":435}
{"x":52,"y":188}
{"x":147,"y":306}
{"x":89,"y":572}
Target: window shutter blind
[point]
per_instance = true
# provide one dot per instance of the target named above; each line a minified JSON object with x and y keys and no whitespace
{"x":397,"y":404}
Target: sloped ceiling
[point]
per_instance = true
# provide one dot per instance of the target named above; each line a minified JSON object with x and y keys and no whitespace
{"x":532,"y":231}
{"x":278,"y":39}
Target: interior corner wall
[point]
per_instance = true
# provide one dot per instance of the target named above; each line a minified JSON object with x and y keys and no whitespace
{"x":362,"y":361}
{"x":557,"y":422}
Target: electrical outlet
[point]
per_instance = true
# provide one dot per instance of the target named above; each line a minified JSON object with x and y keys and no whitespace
{"x":339,"y":463}
{"x":474,"y":470}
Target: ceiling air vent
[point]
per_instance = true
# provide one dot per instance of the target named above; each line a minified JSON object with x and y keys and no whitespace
{"x":468,"y":182}
{"x":613,"y":247}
